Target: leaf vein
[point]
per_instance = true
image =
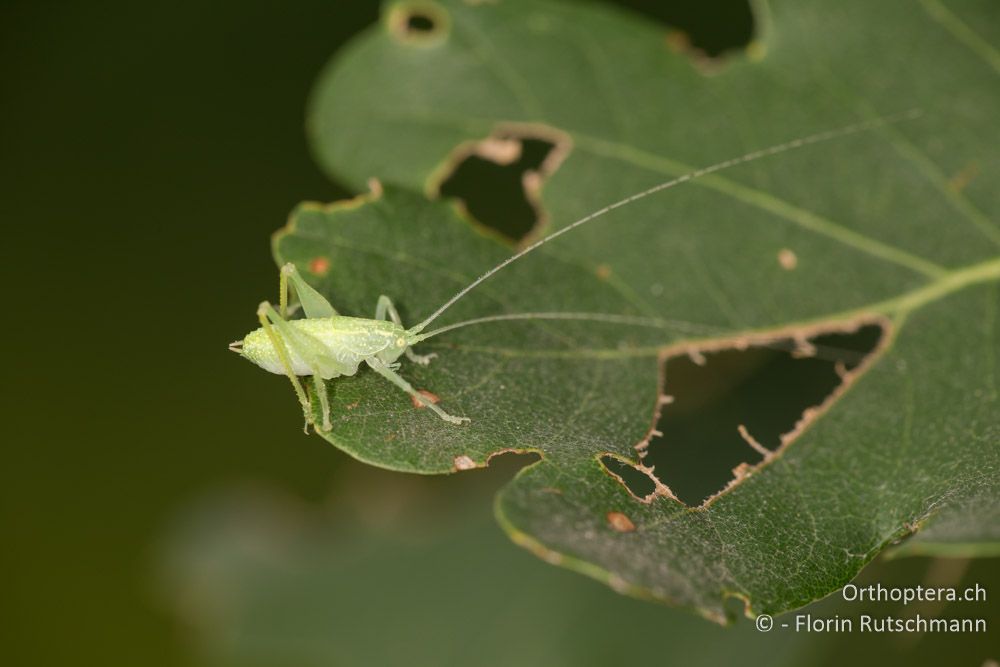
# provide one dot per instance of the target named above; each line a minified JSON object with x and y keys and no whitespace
{"x":962,"y":32}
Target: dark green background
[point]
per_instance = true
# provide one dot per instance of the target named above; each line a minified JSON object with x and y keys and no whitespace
{"x":148,"y":152}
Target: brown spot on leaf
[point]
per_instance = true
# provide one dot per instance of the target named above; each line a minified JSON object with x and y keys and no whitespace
{"x":319,"y":266}
{"x":620,"y":522}
{"x":787,"y":259}
{"x":463,"y":462}
{"x":603,"y":271}
{"x":417,"y":403}
{"x":959,"y":181}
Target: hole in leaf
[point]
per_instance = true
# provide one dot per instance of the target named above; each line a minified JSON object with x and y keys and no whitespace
{"x":761,"y":391}
{"x":419,"y":23}
{"x":497,"y":183}
{"x":512,"y":460}
{"x":637,"y":482}
{"x":709,"y":26}
{"x":734,"y":606}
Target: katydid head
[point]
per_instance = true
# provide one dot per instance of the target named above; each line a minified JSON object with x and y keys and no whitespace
{"x":398,"y":346}
{"x":408,"y":338}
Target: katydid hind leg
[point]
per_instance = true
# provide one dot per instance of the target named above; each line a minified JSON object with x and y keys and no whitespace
{"x":385,"y":307}
{"x":263,"y":312}
{"x":390,"y":375}
{"x":286,"y":339}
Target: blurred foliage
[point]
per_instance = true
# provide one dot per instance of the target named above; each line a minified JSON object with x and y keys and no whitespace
{"x":410,"y":570}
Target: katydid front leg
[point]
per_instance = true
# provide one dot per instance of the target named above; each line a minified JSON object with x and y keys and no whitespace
{"x":384,"y":307}
{"x":386,"y":372}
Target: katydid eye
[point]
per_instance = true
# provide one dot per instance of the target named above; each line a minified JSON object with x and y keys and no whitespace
{"x":400,"y":342}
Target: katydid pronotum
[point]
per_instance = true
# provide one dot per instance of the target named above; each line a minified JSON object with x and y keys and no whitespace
{"x":326,"y":345}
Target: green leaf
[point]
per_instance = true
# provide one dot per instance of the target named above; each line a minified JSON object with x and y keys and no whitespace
{"x":896,"y":226}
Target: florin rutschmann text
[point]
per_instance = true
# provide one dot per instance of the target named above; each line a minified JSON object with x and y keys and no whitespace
{"x":879,"y":623}
{"x":888,"y":623}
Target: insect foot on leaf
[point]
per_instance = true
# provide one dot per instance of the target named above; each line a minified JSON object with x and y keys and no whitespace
{"x":421,"y":359}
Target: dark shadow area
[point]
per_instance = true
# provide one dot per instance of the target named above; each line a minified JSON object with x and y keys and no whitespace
{"x":637,"y":481}
{"x":420,"y":23}
{"x":494,"y":193}
{"x":504,"y":465}
{"x":766,"y":390}
{"x":711,"y":26}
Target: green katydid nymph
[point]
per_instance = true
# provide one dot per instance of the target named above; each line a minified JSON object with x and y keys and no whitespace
{"x":326,"y":345}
